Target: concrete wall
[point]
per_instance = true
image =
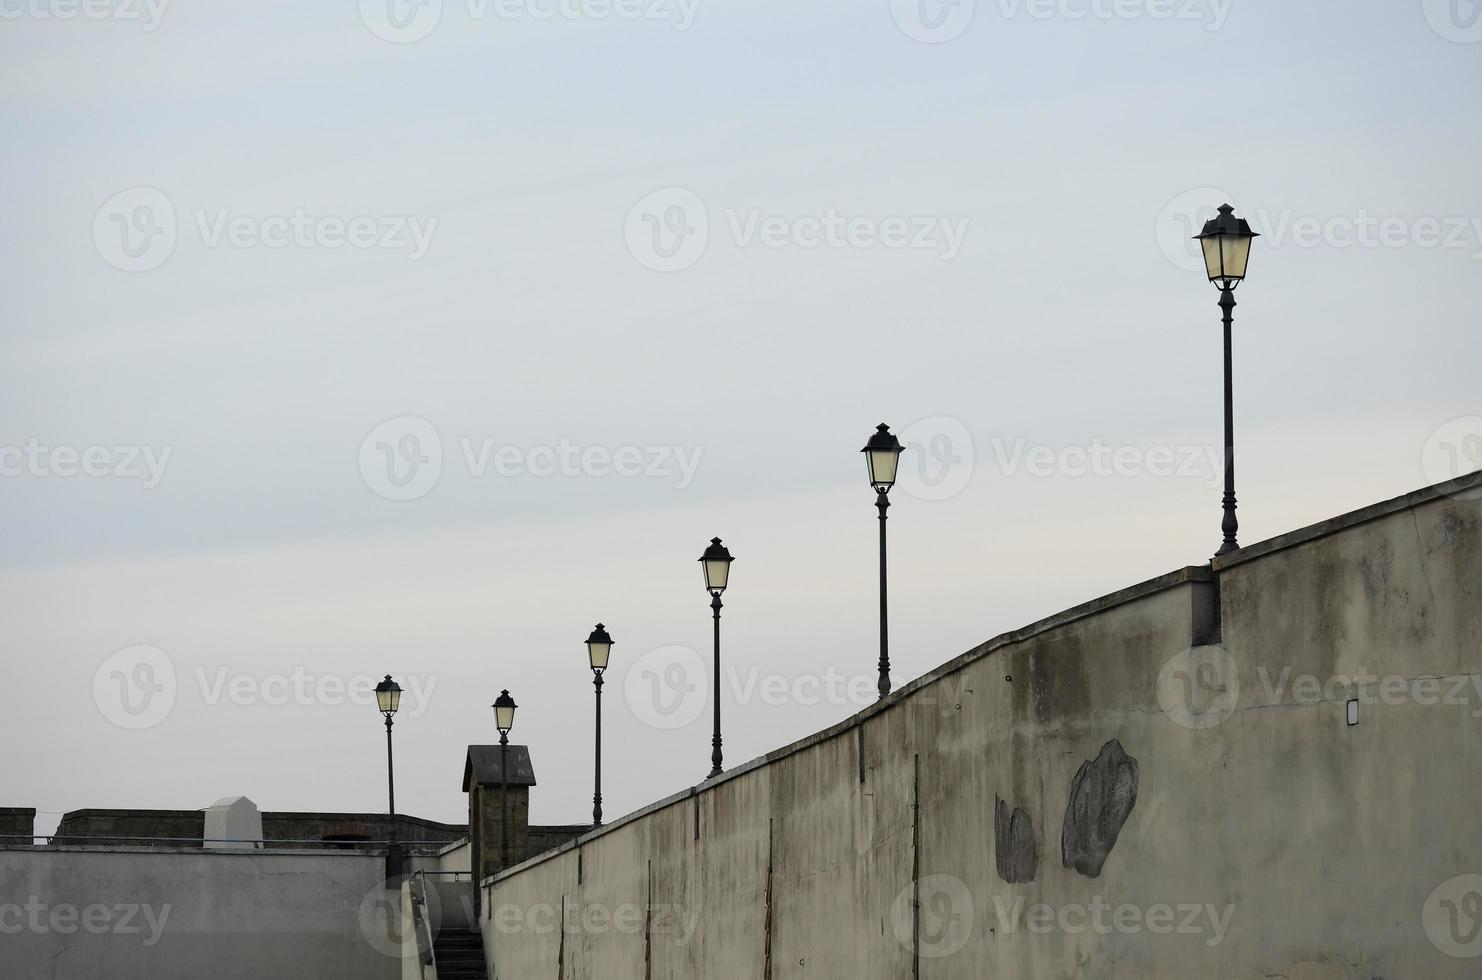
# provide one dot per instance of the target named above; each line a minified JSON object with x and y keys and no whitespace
{"x":314,"y":828}
{"x":17,"y":822}
{"x":454,"y":858}
{"x":1143,"y":787}
{"x":158,"y":914}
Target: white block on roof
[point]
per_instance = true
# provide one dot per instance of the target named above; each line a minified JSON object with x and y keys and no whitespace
{"x":233,"y":822}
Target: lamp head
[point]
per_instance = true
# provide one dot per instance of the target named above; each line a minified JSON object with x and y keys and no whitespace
{"x":1226,"y":242}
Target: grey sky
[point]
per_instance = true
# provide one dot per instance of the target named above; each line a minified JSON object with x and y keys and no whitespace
{"x":263,"y":348}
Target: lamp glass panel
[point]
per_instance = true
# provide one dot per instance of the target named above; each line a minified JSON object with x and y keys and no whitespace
{"x":1213,"y":258}
{"x":717,"y":571}
{"x":883,"y":463}
{"x":504,"y":718}
{"x":1236,"y":251}
{"x":598,"y":654}
{"x":388,"y":701}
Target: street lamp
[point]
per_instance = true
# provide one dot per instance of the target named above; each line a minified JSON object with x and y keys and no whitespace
{"x":504,"y":720}
{"x":1226,"y":242}
{"x":599,"y":648}
{"x":883,"y":453}
{"x":388,"y":699}
{"x":717,"y":564}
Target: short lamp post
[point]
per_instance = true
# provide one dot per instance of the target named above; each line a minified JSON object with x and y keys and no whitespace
{"x":717,"y":564}
{"x":883,"y":453}
{"x":504,"y":719}
{"x":1226,"y":242}
{"x":599,"y":648}
{"x":388,"y":699}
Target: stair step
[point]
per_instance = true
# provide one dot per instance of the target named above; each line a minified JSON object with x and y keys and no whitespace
{"x":460,"y":955}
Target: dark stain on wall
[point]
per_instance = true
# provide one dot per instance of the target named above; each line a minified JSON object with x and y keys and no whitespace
{"x":1102,"y":796}
{"x":1053,"y":686}
{"x":1015,"y":848}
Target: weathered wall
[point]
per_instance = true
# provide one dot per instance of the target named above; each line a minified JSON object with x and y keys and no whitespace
{"x":17,"y":822}
{"x":280,"y":826}
{"x":540,"y":838}
{"x":454,"y":858}
{"x":169,"y":825}
{"x":1126,"y":791}
{"x":157,"y":914}
{"x":486,"y":823}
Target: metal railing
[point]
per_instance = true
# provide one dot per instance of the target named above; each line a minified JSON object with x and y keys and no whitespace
{"x":65,"y":840}
{"x":420,"y":926}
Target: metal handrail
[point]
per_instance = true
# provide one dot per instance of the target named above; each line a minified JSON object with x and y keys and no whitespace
{"x":418,"y":890}
{"x":52,"y":839}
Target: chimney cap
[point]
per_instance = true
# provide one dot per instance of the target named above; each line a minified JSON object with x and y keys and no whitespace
{"x":482,"y":766}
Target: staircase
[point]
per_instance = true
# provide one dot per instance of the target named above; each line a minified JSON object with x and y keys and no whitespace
{"x":459,"y":955}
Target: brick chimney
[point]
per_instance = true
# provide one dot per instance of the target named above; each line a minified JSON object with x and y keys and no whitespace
{"x":483,"y":777}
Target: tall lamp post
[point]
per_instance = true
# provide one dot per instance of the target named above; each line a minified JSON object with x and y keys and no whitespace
{"x":1226,"y":242}
{"x":883,"y":453}
{"x":504,"y":720}
{"x":717,"y":564}
{"x":599,"y":648}
{"x":388,"y":699}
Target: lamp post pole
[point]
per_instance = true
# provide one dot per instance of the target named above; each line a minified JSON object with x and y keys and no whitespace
{"x":716,"y":562}
{"x":1230,"y":525}
{"x":388,"y":700}
{"x":715,"y":741}
{"x":882,"y":502}
{"x":882,"y":453}
{"x":599,"y":649}
{"x":1226,"y":242}
{"x":597,"y":778}
{"x":504,"y":719}
{"x":503,"y":800}
{"x":390,"y":771}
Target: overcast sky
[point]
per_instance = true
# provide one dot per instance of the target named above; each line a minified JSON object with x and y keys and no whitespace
{"x":340,"y":341}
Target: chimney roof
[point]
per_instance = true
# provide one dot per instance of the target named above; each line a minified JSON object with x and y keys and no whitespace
{"x":482,"y":766}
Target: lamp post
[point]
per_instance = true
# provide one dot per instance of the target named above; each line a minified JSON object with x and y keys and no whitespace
{"x":717,"y":564}
{"x":1226,"y":242}
{"x":883,"y":453}
{"x":599,"y":647}
{"x":388,"y":699}
{"x":504,"y":720}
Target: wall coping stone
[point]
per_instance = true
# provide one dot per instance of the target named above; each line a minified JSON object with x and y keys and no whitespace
{"x":1472,"y":482}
